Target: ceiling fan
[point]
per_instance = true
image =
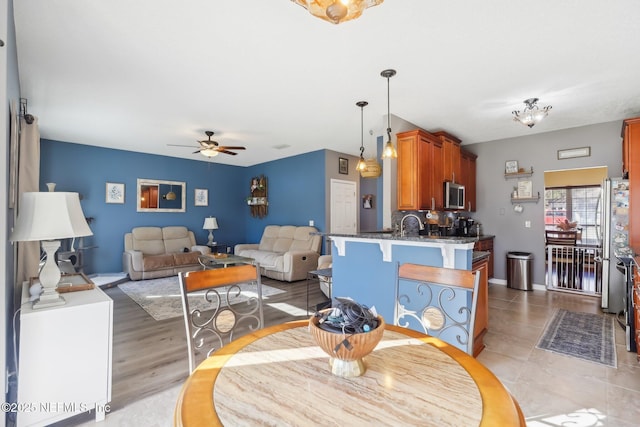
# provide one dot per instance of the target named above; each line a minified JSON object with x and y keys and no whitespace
{"x":209,"y":148}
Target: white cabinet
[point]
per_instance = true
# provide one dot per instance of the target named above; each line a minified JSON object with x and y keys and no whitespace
{"x":65,"y":358}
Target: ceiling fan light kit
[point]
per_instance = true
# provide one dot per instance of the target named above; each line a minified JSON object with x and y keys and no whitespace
{"x":210,"y":148}
{"x":531,"y":113}
{"x":337,"y":11}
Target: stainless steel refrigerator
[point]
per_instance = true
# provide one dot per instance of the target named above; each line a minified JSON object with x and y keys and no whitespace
{"x":615,"y":241}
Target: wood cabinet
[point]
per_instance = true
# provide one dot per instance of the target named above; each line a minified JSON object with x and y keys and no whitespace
{"x":486,"y":244}
{"x":468,"y":178}
{"x":425,"y":162}
{"x":482,"y":311}
{"x":631,"y":148}
{"x":418,"y":185}
{"x":452,"y":154}
{"x":65,"y":358}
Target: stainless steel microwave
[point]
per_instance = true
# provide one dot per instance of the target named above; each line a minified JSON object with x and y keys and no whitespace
{"x":453,"y":195}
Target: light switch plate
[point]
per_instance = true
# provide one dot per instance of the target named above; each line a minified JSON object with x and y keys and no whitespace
{"x":527,"y":224}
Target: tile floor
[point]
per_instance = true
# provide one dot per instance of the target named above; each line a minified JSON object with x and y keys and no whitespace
{"x":553,"y":390}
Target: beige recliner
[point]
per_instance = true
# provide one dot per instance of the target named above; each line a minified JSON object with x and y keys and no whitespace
{"x":152,"y":252}
{"x":285,"y":252}
{"x":325,"y":261}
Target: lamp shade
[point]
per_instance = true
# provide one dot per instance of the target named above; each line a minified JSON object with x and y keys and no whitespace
{"x":210,"y":223}
{"x":49,"y":216}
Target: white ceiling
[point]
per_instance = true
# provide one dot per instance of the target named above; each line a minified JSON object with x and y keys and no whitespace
{"x":141,"y":74}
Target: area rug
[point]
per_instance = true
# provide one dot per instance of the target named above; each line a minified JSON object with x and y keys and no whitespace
{"x":585,"y":336}
{"x":161,"y":297}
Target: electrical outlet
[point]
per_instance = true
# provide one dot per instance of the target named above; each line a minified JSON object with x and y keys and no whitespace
{"x":311,"y":223}
{"x":228,"y":249}
{"x":527,"y":224}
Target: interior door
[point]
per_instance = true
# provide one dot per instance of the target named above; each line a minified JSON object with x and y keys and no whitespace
{"x":344,"y":207}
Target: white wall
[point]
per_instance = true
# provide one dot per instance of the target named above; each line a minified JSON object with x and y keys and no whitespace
{"x":495,"y":211}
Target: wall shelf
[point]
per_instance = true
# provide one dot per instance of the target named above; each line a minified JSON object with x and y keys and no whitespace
{"x":523,"y":174}
{"x":526,"y":199}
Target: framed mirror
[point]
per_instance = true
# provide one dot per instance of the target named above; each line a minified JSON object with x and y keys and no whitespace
{"x":160,"y":196}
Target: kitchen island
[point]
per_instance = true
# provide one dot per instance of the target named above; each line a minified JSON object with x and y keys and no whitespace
{"x":364,"y":266}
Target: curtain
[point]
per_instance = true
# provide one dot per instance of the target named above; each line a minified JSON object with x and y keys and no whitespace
{"x":27,"y":253}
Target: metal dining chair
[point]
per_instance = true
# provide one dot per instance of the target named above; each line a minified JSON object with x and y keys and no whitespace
{"x":225,"y":304}
{"x":440,"y":302}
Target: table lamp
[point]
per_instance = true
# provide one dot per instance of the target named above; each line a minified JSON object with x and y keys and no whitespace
{"x":210,"y":223}
{"x":49,"y":217}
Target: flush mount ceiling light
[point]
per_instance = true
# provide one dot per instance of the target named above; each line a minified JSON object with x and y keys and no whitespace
{"x":531,"y":113}
{"x":389,"y":151}
{"x":362,"y":165}
{"x":337,"y":11}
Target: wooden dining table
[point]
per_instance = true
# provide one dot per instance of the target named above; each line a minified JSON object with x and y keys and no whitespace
{"x":279,"y":376}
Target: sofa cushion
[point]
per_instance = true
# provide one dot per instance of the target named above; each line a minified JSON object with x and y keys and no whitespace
{"x":277,"y":238}
{"x":176,"y":239}
{"x":301,"y":239}
{"x":148,"y":240}
{"x":158,"y":262}
{"x":186,"y":258}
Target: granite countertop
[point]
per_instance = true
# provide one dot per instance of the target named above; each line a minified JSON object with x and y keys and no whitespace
{"x":479,"y":255}
{"x":392,"y":236}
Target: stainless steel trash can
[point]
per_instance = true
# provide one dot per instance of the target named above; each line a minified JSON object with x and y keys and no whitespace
{"x":519,"y":271}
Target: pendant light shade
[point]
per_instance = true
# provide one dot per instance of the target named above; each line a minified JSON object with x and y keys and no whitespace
{"x":389,"y":151}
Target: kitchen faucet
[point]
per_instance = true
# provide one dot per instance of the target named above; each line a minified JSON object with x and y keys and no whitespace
{"x":402,"y":230}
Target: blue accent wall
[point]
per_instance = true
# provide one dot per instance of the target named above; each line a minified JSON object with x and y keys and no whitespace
{"x":296,"y":187}
{"x":296,"y":192}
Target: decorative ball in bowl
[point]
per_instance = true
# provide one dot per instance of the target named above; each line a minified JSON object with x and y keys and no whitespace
{"x":345,"y":360}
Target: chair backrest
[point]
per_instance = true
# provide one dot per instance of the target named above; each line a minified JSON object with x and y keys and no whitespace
{"x":439,"y":301}
{"x":219,"y":305}
{"x":558,"y":237}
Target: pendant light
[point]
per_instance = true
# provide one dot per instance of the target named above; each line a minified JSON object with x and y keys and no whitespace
{"x":362,"y":165}
{"x":389,"y":151}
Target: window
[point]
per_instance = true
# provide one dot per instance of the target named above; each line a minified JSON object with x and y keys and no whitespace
{"x":573,"y":204}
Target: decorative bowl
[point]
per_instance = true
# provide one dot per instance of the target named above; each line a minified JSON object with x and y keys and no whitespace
{"x":345,"y":362}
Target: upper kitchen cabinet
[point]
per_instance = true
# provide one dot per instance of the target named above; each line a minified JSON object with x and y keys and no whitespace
{"x":468,"y":178}
{"x":420,"y":170}
{"x":452,"y":165}
{"x":631,"y":165}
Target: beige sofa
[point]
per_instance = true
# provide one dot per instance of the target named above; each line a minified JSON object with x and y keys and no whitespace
{"x":285,"y":252}
{"x":151,"y":252}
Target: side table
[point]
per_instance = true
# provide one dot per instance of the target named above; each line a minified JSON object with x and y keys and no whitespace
{"x":220,"y":248}
{"x":314,"y":276}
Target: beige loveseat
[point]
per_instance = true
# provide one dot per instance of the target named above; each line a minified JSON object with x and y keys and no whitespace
{"x":151,"y":252}
{"x":285,"y":252}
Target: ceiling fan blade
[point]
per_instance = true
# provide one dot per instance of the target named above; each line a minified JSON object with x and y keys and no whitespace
{"x":227,"y":152}
{"x":222,"y":147}
{"x":197,"y":151}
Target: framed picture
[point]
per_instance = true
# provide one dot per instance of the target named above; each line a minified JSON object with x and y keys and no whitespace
{"x":511,"y":166}
{"x":201,"y":197}
{"x":343,"y":166}
{"x":574,"y":152}
{"x":367,"y":201}
{"x":115,"y":192}
{"x":525,"y":189}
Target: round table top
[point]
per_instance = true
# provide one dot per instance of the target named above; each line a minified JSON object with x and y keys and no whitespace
{"x":279,"y":376}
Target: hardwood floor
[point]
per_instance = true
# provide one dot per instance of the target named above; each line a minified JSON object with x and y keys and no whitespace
{"x":553,"y":390}
{"x":150,"y":356}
